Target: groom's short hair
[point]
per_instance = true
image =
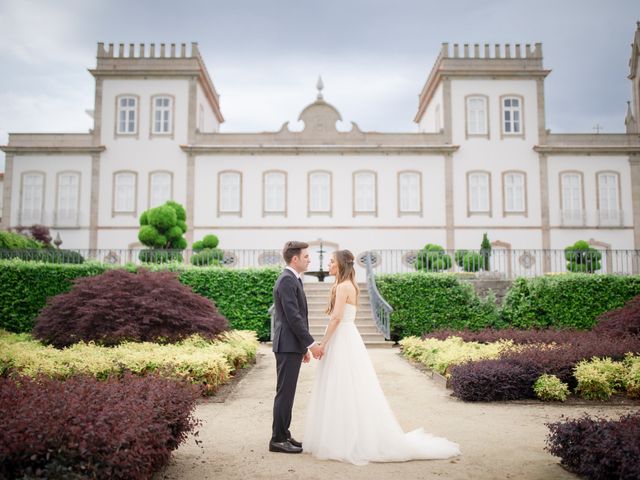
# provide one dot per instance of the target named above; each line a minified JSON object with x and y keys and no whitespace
{"x":292,"y":249}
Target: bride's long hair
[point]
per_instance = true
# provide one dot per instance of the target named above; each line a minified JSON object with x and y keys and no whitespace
{"x":346,"y":271}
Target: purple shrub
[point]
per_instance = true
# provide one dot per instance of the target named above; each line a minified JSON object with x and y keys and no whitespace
{"x":121,"y":306}
{"x":598,"y":449}
{"x":82,"y":428}
{"x":621,"y":321}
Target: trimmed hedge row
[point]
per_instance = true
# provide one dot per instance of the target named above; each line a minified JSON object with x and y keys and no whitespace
{"x":423,"y":302}
{"x":118,"y":429}
{"x":429,"y":302}
{"x":242,"y":296}
{"x":566,"y":301}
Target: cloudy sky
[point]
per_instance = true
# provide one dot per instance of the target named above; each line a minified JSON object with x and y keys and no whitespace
{"x":265,"y":55}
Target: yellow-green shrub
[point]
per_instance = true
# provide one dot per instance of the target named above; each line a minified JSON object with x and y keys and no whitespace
{"x":599,"y":378}
{"x":550,"y":388}
{"x":438,"y":355}
{"x":196,"y":360}
{"x":633,"y":375}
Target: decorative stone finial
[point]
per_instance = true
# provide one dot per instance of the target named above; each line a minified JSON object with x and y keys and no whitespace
{"x":320,"y":86}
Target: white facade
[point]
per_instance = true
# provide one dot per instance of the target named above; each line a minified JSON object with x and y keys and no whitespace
{"x":482,"y":161}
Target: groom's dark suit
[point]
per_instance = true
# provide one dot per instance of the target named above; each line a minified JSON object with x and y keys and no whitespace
{"x":290,"y":341}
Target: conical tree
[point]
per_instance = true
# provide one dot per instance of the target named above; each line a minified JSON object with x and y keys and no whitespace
{"x":162,"y":229}
{"x":485,"y":251}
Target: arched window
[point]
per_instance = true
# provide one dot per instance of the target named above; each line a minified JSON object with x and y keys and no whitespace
{"x":479,"y":192}
{"x":68,"y":198}
{"x":32,"y":198}
{"x":514,"y":192}
{"x":275,"y":192}
{"x":320,"y":192}
{"x":572,"y":203}
{"x":124,"y":187}
{"x":162,"y":122}
{"x":160,"y":188}
{"x":609,"y":213}
{"x":409,"y":192}
{"x":477,"y":123}
{"x":512,"y":115}
{"x":364,"y":192}
{"x":230,"y":193}
{"x":127,"y":115}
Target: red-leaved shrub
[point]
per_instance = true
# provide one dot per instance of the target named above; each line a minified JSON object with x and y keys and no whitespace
{"x":512,"y":375}
{"x":122,"y":306}
{"x":621,"y":321}
{"x":82,"y":428}
{"x":598,"y":449}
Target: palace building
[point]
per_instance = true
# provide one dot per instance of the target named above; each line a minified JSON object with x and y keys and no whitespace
{"x":481,"y":160}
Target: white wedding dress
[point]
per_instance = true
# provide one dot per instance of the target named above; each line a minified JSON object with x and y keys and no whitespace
{"x":349,"y":418}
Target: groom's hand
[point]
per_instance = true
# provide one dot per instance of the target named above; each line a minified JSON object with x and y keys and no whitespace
{"x":317,"y":351}
{"x":306,"y":358}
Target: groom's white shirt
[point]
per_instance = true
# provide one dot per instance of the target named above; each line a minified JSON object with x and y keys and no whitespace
{"x":299,"y":278}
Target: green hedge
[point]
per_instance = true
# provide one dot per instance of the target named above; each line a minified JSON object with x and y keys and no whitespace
{"x":242,"y":296}
{"x":566,"y":301}
{"x":423,"y":302}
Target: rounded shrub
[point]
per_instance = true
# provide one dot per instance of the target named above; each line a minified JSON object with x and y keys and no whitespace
{"x":208,"y":257}
{"x":550,"y":388}
{"x":581,"y":258}
{"x":432,"y":258}
{"x":472,"y":262}
{"x":159,"y":255}
{"x":120,"y":306}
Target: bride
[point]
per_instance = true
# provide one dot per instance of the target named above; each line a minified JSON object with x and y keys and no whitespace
{"x":349,"y":418}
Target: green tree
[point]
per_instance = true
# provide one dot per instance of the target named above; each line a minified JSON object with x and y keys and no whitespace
{"x":206,"y":253}
{"x":162,"y":229}
{"x":485,"y":251}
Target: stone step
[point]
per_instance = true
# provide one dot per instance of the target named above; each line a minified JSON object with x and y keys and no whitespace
{"x":360,"y":320}
{"x":363,"y":329}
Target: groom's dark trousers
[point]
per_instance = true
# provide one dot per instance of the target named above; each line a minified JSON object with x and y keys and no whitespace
{"x":290,"y":341}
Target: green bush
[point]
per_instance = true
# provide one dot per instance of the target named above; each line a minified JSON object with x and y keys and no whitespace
{"x":632,"y":364}
{"x":423,"y":302}
{"x":473,"y":262}
{"x":158,"y":255}
{"x":208,"y":257}
{"x":432,"y":258}
{"x":550,"y":388}
{"x":11,"y":240}
{"x":459,"y":256}
{"x":208,"y":241}
{"x":581,"y":258}
{"x":242,"y":296}
{"x":565,"y":301}
{"x":599,"y":378}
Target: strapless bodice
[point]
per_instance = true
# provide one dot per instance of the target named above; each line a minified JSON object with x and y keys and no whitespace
{"x":349,"y":313}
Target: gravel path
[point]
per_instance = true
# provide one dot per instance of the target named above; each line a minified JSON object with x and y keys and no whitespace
{"x":498,"y":440}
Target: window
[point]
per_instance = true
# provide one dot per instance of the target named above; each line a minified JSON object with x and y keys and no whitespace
{"x":512,"y":115}
{"x":230,"y":192}
{"x":364,"y":189}
{"x":127,"y":115}
{"x":409,"y":191}
{"x":514,"y":187}
{"x":160,"y":188}
{"x":162,"y":113}
{"x":124,"y":192}
{"x":32,"y":198}
{"x":571,"y":186}
{"x":275,"y":192}
{"x":68,"y":198}
{"x":478,"y":192}
{"x":477,"y":115}
{"x":320,"y":192}
{"x":608,"y":199}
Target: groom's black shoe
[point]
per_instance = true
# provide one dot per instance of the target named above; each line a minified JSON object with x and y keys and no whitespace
{"x":284,"y":447}
{"x":294,"y":442}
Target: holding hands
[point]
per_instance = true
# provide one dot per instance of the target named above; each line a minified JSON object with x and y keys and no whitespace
{"x":317,"y":351}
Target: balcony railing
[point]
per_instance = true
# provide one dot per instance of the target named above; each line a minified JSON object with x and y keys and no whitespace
{"x":501,"y":263}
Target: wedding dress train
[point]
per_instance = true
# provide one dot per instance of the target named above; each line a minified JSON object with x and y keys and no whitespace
{"x":349,"y":418}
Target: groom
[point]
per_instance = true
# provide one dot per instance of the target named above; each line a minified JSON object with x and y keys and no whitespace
{"x":291,"y":343}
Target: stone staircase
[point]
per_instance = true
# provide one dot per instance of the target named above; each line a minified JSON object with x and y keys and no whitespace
{"x":317,"y":299}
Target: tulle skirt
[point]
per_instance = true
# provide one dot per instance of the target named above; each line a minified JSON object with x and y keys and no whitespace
{"x":349,"y":418}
